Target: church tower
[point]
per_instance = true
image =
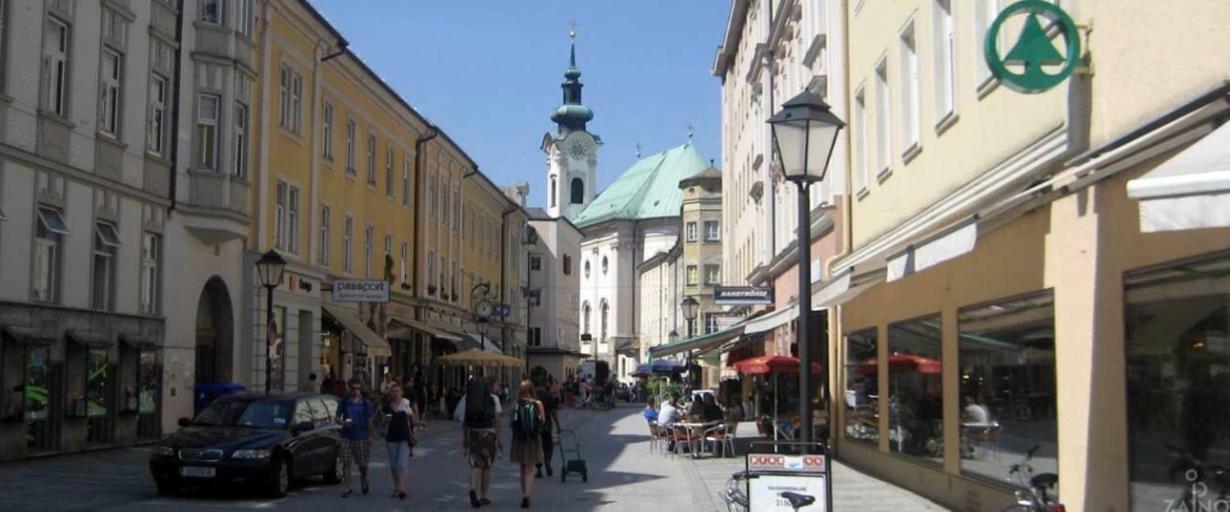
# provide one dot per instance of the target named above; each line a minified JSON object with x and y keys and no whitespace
{"x":572,"y":152}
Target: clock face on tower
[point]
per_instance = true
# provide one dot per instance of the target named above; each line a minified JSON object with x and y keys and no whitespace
{"x":577,"y":150}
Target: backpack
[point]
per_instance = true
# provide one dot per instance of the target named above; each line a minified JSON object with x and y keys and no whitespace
{"x":527,"y":424}
{"x":480,"y":411}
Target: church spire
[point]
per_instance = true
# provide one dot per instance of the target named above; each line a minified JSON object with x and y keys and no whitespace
{"x":572,"y":115}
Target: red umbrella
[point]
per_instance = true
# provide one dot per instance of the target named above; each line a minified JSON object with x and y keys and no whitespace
{"x":765,"y":365}
{"x":905,"y":363}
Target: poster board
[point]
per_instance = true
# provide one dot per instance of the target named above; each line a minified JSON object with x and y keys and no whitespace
{"x":787,"y":482}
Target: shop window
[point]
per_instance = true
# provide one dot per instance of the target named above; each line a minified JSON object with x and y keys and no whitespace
{"x":37,"y":398}
{"x":1177,"y":334}
{"x":97,"y":400}
{"x":862,"y":417}
{"x":915,"y":389}
{"x":1007,"y":392}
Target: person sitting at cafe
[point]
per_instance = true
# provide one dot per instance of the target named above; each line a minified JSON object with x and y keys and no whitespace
{"x":651,"y":411}
{"x":710,"y":411}
{"x":696,"y":411}
{"x":668,"y":415}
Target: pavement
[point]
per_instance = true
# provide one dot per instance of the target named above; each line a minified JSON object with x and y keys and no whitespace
{"x":623,"y":475}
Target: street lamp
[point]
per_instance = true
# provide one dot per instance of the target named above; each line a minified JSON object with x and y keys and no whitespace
{"x":482,"y":333}
{"x":269,"y":270}
{"x":690,"y":307}
{"x":804,"y":134}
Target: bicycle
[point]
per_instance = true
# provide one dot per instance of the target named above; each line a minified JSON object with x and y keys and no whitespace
{"x":1034,"y":494}
{"x":735,"y":495}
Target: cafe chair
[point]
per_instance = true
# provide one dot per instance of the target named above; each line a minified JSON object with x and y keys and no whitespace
{"x":682,"y":436}
{"x":723,"y":436}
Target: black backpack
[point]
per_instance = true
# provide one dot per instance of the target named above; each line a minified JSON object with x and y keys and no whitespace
{"x":527,"y":423}
{"x":480,"y":411}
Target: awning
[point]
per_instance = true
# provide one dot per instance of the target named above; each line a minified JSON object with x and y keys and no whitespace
{"x":843,"y":287}
{"x":702,"y":343}
{"x":1191,"y":190}
{"x":140,"y":342}
{"x":772,"y":320}
{"x":950,"y":243}
{"x":414,"y":324}
{"x":473,"y":341}
{"x":88,"y":339}
{"x":25,"y":335}
{"x":376,"y":346}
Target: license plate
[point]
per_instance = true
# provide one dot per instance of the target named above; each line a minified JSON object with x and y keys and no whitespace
{"x":198,"y":472}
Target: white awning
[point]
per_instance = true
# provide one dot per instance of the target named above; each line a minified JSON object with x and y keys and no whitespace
{"x":1191,"y":190}
{"x":376,"y":346}
{"x":484,"y":343}
{"x":772,"y":320}
{"x":843,"y":287}
{"x":955,"y":241}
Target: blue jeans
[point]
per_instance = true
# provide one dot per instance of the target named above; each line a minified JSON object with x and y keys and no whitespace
{"x":399,"y":455}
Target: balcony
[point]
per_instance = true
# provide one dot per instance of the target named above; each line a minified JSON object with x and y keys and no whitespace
{"x":217,"y":206}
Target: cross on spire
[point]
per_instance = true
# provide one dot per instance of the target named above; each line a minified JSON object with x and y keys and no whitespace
{"x":691,"y":131}
{"x":638,"y":149}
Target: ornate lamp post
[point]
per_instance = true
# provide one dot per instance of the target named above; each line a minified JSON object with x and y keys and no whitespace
{"x":269,"y":269}
{"x":805,"y":133}
{"x":690,"y":308}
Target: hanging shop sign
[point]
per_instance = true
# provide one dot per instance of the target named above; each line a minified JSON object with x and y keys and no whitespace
{"x":1033,"y":64}
{"x":741,"y":295}
{"x":360,"y":290}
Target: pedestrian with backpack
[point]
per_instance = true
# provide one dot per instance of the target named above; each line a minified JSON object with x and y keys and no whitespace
{"x":528,"y":422}
{"x":355,"y":415}
{"x":480,"y":429}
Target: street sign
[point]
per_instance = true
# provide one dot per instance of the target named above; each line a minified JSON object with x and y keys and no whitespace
{"x":740,"y":295}
{"x":503,"y":310}
{"x":1033,"y":48}
{"x":360,"y":290}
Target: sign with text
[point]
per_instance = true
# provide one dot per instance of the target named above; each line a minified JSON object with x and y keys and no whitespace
{"x":787,"y":482}
{"x":740,"y":295}
{"x":360,"y":290}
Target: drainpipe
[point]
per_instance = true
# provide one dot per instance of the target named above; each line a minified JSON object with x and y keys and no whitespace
{"x":770,"y":187}
{"x":431,"y":133}
{"x":179,"y":57}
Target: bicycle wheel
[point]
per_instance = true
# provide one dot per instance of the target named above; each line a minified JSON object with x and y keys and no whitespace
{"x":1018,"y":508}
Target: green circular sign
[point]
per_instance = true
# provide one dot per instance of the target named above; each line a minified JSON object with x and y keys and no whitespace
{"x":1033,"y":48}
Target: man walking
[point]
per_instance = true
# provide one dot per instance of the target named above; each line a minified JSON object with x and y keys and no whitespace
{"x":480,"y":430}
{"x":545,"y":393}
{"x":355,"y":414}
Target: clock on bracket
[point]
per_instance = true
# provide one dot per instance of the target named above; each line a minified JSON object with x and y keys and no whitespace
{"x":577,"y":150}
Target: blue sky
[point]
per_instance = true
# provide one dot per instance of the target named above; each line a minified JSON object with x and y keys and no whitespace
{"x":488,"y":72}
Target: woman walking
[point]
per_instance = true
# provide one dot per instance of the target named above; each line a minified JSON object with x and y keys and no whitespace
{"x":400,"y":419}
{"x":529,"y":418}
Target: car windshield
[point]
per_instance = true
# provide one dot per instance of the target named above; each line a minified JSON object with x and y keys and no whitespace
{"x":242,"y":413}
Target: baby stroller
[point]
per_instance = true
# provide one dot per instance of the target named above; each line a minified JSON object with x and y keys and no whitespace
{"x":570,"y":456}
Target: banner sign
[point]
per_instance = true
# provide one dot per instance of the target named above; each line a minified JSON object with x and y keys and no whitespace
{"x":360,"y":290}
{"x":740,"y":295}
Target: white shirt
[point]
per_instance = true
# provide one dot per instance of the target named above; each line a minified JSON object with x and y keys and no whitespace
{"x":668,"y":414}
{"x":977,"y":414}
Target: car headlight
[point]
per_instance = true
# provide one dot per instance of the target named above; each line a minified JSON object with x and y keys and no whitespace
{"x":251,"y":454}
{"x":164,"y":451}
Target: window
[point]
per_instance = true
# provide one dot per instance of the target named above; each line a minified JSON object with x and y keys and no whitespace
{"x":693,"y":275}
{"x":553,"y":195}
{"x":985,"y":12}
{"x":4,"y":31}
{"x":1007,"y":364}
{"x":431,"y":196}
{"x":713,"y":274}
{"x":327,"y":131}
{"x":405,"y":260}
{"x":110,"y":101}
{"x":323,"y":246}
{"x":711,"y":323}
{"x":388,"y":171}
{"x":883,"y":118}
{"x":535,"y":262}
{"x":279,"y":216}
{"x":211,"y":11}
{"x":910,"y":107}
{"x":55,"y":67}
{"x":151,"y":254}
{"x":350,"y":149}
{"x":587,"y":269}
{"x":862,"y":418}
{"x":405,"y":181}
{"x":240,"y":138}
{"x":207,"y":131}
{"x":292,"y":98}
{"x":567,"y":265}
{"x":605,"y":312}
{"x":585,"y":314}
{"x":916,"y":364}
{"x":243,"y":11}
{"x":368,"y":234}
{"x":371,"y":159}
{"x":577,"y":191}
{"x":292,"y":219}
{"x":605,"y":266}
{"x":157,"y":124}
{"x":114,"y":28}
{"x":712,"y":233}
{"x":457,"y":214}
{"x":945,"y":58}
{"x":347,"y":242}
{"x":691,"y":231}
{"x":49,"y":238}
{"x":535,"y":336}
{"x":862,"y":166}
{"x":445,"y":211}
{"x":102,"y":289}
{"x":431,"y":273}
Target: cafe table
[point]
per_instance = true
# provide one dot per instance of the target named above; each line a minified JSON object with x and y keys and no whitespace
{"x":695,"y":433}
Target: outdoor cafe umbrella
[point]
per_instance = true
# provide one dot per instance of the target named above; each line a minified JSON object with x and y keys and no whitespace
{"x":476,"y":357}
{"x":666,"y":366}
{"x":642,"y":370}
{"x":905,"y":363}
{"x":774,"y":365}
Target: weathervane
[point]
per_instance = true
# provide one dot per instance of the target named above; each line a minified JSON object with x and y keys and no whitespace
{"x":572,"y":32}
{"x":690,"y":132}
{"x":638,"y":149}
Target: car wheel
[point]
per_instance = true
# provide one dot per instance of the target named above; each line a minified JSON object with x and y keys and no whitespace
{"x":166,"y":487}
{"x":334,"y":474}
{"x":281,"y":479}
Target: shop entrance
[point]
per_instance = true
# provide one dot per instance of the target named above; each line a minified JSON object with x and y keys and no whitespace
{"x":214,"y":328}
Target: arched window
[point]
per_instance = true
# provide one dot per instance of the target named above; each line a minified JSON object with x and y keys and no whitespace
{"x":585,"y":313}
{"x":553,"y":191}
{"x":605,"y":311}
{"x":587,"y":268}
{"x":578,"y":191}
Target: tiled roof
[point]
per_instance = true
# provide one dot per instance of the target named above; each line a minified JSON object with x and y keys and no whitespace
{"x":648,"y":189}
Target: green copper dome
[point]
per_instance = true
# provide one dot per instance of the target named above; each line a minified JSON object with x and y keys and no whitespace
{"x":572,"y":115}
